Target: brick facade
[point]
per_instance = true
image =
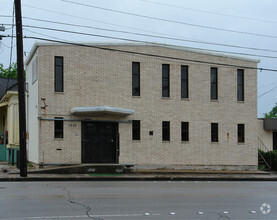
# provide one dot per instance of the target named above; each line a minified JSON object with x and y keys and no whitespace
{"x":95,"y":77}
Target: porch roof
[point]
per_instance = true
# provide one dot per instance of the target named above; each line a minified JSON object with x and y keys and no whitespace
{"x":270,"y":124}
{"x":91,"y":110}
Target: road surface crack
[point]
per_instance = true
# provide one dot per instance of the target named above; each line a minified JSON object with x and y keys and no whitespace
{"x":70,"y":199}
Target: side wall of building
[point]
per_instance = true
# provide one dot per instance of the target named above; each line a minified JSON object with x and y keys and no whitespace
{"x":33,"y":126}
{"x":94,"y":77}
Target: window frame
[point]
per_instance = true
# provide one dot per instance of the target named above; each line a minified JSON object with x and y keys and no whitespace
{"x":136,"y":130}
{"x":166,"y":130}
{"x":165,"y":80}
{"x":214,"y":83}
{"x":214,"y":133}
{"x":240,"y":85}
{"x":58,"y":128}
{"x":185,"y":81}
{"x":241,"y":133}
{"x":56,"y":74}
{"x":135,"y":78}
{"x":185,"y":131}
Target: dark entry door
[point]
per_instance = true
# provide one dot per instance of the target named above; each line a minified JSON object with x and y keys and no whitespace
{"x":99,"y":142}
{"x":274,"y":140}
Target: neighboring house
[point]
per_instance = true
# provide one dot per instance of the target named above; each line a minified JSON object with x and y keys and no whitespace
{"x":9,"y":121}
{"x":267,"y":134}
{"x":101,"y":104}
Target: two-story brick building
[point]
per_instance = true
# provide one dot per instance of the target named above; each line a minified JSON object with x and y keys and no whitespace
{"x":149,"y":105}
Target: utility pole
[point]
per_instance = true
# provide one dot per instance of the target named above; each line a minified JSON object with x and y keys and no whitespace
{"x":21,"y":89}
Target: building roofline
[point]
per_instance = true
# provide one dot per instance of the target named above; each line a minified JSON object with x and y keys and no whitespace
{"x":187,"y":49}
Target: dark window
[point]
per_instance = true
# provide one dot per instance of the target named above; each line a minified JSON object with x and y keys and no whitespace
{"x":240,"y":86}
{"x":214,"y":132}
{"x":165,"y":83}
{"x":166,"y":131}
{"x":58,"y":74}
{"x":214,"y":83}
{"x":185,"y":131}
{"x":184,"y":82}
{"x":241,"y":133}
{"x":136,"y":79}
{"x":136,"y":129}
{"x":58,"y":127}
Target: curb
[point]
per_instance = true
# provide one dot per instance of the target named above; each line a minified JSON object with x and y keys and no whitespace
{"x":136,"y":178}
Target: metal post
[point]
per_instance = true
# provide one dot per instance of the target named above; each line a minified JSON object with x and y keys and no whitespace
{"x":21,"y":90}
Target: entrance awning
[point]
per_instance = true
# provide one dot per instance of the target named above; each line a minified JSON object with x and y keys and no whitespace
{"x":91,"y":110}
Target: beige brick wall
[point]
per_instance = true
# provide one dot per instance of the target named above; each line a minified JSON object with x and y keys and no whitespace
{"x":94,"y":77}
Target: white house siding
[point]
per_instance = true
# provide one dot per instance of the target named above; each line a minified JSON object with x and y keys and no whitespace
{"x":94,"y":77}
{"x":32,"y":109}
{"x":13,"y":119}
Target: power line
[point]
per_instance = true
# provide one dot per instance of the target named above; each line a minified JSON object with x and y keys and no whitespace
{"x":147,"y":54}
{"x":87,"y":19}
{"x":170,"y":21}
{"x":209,"y":12}
{"x":267,"y":91}
{"x":11,"y":52}
{"x":154,"y":36}
{"x":139,"y":41}
{"x":172,"y":37}
{"x":45,"y":35}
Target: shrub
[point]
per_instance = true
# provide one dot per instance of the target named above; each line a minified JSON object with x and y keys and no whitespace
{"x":273,"y":154}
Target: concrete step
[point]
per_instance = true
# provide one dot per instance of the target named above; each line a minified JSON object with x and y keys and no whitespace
{"x":86,"y":169}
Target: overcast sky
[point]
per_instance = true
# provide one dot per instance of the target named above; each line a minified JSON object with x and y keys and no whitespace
{"x":243,"y":23}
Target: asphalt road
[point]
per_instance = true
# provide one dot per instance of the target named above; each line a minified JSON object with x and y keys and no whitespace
{"x":138,"y":200}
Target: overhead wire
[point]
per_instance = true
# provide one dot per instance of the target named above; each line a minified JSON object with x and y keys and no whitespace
{"x":154,"y":36}
{"x":139,"y":41}
{"x":170,"y":21}
{"x":209,"y":12}
{"x":267,"y":92}
{"x":11,"y":50}
{"x":148,"y":54}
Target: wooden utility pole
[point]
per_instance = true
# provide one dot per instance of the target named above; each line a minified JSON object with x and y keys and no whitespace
{"x":21,"y":90}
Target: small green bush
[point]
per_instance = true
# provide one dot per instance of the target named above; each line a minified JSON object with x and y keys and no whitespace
{"x":273,"y":154}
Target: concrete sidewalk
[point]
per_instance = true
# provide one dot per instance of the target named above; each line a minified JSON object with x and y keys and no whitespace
{"x":11,"y":173}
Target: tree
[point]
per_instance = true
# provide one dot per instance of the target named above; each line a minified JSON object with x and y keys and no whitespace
{"x":9,"y":72}
{"x":272,"y":113}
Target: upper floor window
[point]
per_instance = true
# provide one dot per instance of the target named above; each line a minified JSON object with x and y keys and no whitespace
{"x":58,"y":127}
{"x":58,"y":74}
{"x":241,"y":133}
{"x":165,"y":80}
{"x":184,"y":82}
{"x":214,"y":132}
{"x":240,"y":85}
{"x":136,"y":79}
{"x":214,"y":84}
{"x":185,"y":131}
{"x":166,"y":131}
{"x":136,"y":129}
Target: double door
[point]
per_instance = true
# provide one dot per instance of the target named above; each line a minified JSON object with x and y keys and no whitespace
{"x":100,"y":142}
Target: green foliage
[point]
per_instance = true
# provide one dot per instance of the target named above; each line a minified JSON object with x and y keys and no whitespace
{"x":272,"y":113}
{"x":8,"y":72}
{"x":273,"y":155}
